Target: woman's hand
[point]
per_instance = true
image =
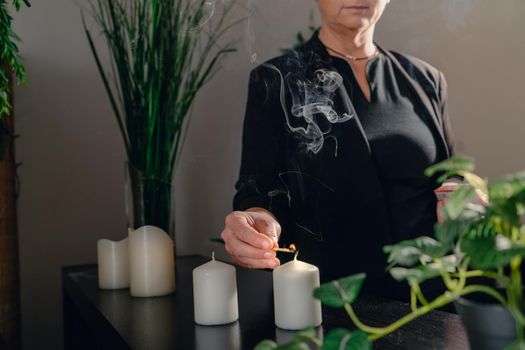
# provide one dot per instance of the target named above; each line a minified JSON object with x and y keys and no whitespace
{"x":446,"y":189}
{"x":250,"y":237}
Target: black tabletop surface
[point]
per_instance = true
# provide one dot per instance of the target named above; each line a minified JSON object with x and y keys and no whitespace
{"x":167,"y":322}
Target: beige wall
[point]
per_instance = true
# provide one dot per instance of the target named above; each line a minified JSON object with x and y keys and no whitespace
{"x":72,"y":173}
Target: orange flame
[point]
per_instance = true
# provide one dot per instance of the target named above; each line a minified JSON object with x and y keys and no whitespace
{"x":291,"y":249}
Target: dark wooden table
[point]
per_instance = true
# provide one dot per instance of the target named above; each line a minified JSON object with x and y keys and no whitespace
{"x":99,"y":319}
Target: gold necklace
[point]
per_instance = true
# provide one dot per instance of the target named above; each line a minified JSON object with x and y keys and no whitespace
{"x":354,"y":58}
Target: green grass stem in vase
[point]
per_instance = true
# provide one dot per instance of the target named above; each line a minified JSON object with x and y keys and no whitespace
{"x":161,"y":53}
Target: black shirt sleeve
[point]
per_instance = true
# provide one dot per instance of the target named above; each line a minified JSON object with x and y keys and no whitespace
{"x":263,"y":147}
{"x":447,"y":128}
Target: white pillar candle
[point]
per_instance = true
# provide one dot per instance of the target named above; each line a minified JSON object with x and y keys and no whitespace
{"x":293,"y":293}
{"x":113,"y":264}
{"x":151,"y":262}
{"x":215,"y":293}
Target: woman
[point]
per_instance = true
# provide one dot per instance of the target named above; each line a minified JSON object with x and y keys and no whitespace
{"x":337,"y":135}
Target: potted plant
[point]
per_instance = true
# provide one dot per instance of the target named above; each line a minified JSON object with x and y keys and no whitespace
{"x":473,"y":242}
{"x":162,"y":52}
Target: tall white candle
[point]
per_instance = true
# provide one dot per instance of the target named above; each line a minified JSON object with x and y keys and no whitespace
{"x":294,"y":303}
{"x":151,"y":262}
{"x":215,"y":293}
{"x":113,"y":264}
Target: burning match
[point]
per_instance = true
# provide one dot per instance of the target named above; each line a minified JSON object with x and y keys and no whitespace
{"x":291,"y":249}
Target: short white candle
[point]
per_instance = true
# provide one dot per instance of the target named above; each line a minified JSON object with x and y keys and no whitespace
{"x":293,"y":289}
{"x":151,"y":262}
{"x":215,"y":293}
{"x":113,"y":264}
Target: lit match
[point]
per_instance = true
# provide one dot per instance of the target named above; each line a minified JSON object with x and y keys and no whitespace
{"x":291,"y":249}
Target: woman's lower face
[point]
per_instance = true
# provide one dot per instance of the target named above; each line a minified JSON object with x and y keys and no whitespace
{"x":351,"y":14}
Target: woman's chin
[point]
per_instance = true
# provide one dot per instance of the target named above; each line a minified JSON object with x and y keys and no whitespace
{"x":355,"y":24}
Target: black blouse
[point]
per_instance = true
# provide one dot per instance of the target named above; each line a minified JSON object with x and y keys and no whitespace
{"x":402,"y":142}
{"x":343,"y":179}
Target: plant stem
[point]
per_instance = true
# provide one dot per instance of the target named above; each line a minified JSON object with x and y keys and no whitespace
{"x":359,"y":324}
{"x":418,"y":293}
{"x":479,"y":273}
{"x":438,"y":302}
{"x":449,"y":283}
{"x":515,"y":296}
{"x":448,"y":297}
{"x":487,"y":290}
{"x":413,"y":299}
{"x":317,"y":341}
{"x":462,"y":275}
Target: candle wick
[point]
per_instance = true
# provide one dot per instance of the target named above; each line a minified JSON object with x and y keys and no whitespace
{"x":213,"y":255}
{"x":295,"y":255}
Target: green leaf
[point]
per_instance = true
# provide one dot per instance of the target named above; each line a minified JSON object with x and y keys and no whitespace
{"x":294,"y":346}
{"x":507,"y":198}
{"x":489,"y":252}
{"x":340,"y":292}
{"x":517,"y":345}
{"x":475,"y":181}
{"x":299,"y":342}
{"x":448,"y":231}
{"x":423,"y":272}
{"x":266,"y":345}
{"x":445,"y":176}
{"x":271,"y":345}
{"x":508,"y":212}
{"x":449,"y":262}
{"x":306,"y":335}
{"x":458,"y":202}
{"x":480,"y":229}
{"x":507,"y":187}
{"x":481,"y":251}
{"x":418,"y":274}
{"x":452,"y":166}
{"x":343,"y":339}
{"x":407,"y":253}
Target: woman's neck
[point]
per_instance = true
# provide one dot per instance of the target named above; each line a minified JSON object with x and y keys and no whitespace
{"x":355,"y":43}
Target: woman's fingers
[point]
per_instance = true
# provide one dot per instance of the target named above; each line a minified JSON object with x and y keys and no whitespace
{"x":249,"y":239}
{"x":236,"y":247}
{"x":439,"y":207}
{"x":257,"y":263}
{"x":238,"y":224}
{"x":248,"y":256}
{"x":481,"y":198}
{"x":270,"y":228}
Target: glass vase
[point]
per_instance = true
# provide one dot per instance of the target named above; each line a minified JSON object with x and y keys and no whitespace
{"x":149,"y":201}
